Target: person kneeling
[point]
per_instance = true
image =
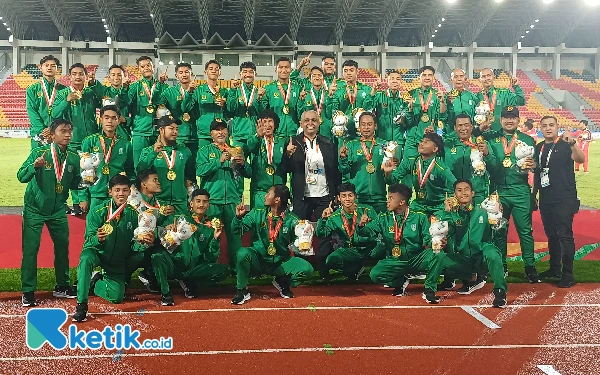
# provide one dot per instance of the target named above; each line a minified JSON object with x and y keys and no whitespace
{"x":407,"y":242}
{"x":193,"y":262}
{"x":470,"y":247}
{"x":273,"y":228}
{"x":108,"y":244}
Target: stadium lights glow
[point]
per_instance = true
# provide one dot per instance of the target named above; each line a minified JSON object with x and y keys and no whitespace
{"x":443,"y":19}
{"x":592,"y":3}
{"x":161,"y":63}
{"x":171,"y":62}
{"x":537,"y":20}
{"x":4,"y":23}
{"x":532,"y":26}
{"x":439,"y":25}
{"x":548,"y":1}
{"x":498,"y":1}
{"x":0,"y":18}
{"x":108,"y":40}
{"x":433,"y":36}
{"x":10,"y":38}
{"x":527,"y":32}
{"x":107,"y":31}
{"x":8,"y":29}
{"x":151,"y":15}
{"x":103,"y":20}
{"x":522,"y":36}
{"x":435,"y":31}
{"x":106,"y":26}
{"x":450,"y":1}
{"x":191,"y":62}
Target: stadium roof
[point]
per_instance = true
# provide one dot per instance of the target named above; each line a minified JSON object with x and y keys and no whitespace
{"x":355,"y":22}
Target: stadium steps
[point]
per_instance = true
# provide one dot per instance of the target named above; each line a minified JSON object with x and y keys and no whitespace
{"x":543,"y":101}
{"x":442,"y":79}
{"x":537,"y":80}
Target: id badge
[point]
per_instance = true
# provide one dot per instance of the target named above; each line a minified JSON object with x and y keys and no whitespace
{"x":311,"y":180}
{"x":544,"y":178}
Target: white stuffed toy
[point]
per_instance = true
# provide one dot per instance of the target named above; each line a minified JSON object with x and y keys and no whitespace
{"x":191,"y":186}
{"x":304,"y":235}
{"x":482,"y":112}
{"x":88,"y":163}
{"x":438,"y":231}
{"x":134,"y":199}
{"x":493,"y":207}
{"x":523,"y":151}
{"x":357,"y":112}
{"x":389,"y":152}
{"x":146,"y":224}
{"x":400,"y":117}
{"x":340,"y":122}
{"x":162,"y":111}
{"x":171,"y":239}
{"x":477,"y":162}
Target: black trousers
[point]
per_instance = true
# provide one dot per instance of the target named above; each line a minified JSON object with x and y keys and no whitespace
{"x":305,"y":209}
{"x":558,"y":225}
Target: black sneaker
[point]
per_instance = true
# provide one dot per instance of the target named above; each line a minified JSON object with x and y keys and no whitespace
{"x":80,"y":312}
{"x":532,"y":275}
{"x":447,"y":284}
{"x":28,"y":300}
{"x":430,"y":297}
{"x":469,"y":287}
{"x":76,"y":211}
{"x":167,"y":300}
{"x":505,"y":271}
{"x":96,"y":275}
{"x":187,"y":289}
{"x":550,"y":274}
{"x":419,"y":276}
{"x":399,"y":291}
{"x":566,"y":282}
{"x":64,"y":292}
{"x":241,"y":296}
{"x":149,"y":281}
{"x":499,"y":298}
{"x":68,"y":210}
{"x":283,"y":286}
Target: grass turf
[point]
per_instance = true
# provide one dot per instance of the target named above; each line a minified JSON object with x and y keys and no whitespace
{"x":586,"y":271}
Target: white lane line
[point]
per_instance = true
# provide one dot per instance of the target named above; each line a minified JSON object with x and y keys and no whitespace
{"x":548,"y":370}
{"x":477,"y":315}
{"x":299,"y":350}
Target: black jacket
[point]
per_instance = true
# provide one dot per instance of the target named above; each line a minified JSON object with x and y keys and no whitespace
{"x":296,"y":164}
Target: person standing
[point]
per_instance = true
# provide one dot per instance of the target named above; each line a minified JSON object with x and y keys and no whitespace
{"x":327,"y":66}
{"x":584,"y":138}
{"x":318,"y":100}
{"x":459,"y":100}
{"x":499,"y":98}
{"x":558,"y":202}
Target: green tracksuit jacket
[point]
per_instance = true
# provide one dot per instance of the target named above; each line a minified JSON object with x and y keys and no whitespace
{"x":261,"y":180}
{"x":82,"y":113}
{"x":387,"y":105}
{"x":139,"y":101}
{"x":504,"y":97}
{"x":418,"y":126}
{"x":121,"y":98}
{"x":244,"y":126}
{"x":288,"y":123}
{"x":40,"y":116}
{"x":202,"y":100}
{"x":341,"y":102}
{"x":465,"y":102}
{"x":172,"y":98}
{"x":335,"y":224}
{"x":501,"y":177}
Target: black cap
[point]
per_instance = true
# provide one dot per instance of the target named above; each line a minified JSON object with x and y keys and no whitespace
{"x":166,"y":121}
{"x":510,"y":111}
{"x":437,"y":139}
{"x":217,"y":124}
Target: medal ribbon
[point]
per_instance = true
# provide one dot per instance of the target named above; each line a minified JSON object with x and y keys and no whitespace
{"x":111,"y":215}
{"x":368,"y":153}
{"x":469,"y":143}
{"x":248,"y":102}
{"x":398,"y":231}
{"x":58,"y":169}
{"x":352,"y":97}
{"x":349,"y":230}
{"x":319,"y":107}
{"x":425,"y":104}
{"x":423,"y":179}
{"x":149,"y":206}
{"x":274,"y":232}
{"x":493,"y":102}
{"x":223,"y":148}
{"x":389,"y":94}
{"x":285,"y":96}
{"x":150,"y":92}
{"x":108,"y":154}
{"x":212,"y":91}
{"x":549,"y":152}
{"x":181,"y":91}
{"x":198,"y":221}
{"x":508,"y":148}
{"x":49,"y":100}
{"x":170,"y":162}
{"x":269,"y":143}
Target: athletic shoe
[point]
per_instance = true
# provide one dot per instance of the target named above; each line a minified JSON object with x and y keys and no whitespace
{"x":28,"y":300}
{"x":470,"y":286}
{"x":64,"y":292}
{"x":76,"y":211}
{"x":167,"y":300}
{"x":241,"y":296}
{"x":447,"y":284}
{"x":566,"y":282}
{"x":532,"y":275}
{"x":68,"y":210}
{"x":149,"y":281}
{"x":189,"y":293}
{"x":80,"y":312}
{"x":416,"y":277}
{"x":96,"y":275}
{"x":505,"y":271}
{"x":499,"y":298}
{"x":399,"y":291}
{"x":283,"y":286}
{"x":360,"y":272}
{"x":550,"y":274}
{"x":430,"y":297}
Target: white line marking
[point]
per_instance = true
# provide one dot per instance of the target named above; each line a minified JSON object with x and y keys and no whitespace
{"x":298,"y":350}
{"x":477,"y":315}
{"x":316,"y":307}
{"x":548,"y":370}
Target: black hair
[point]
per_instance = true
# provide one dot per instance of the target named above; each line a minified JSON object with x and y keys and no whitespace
{"x":427,"y":67}
{"x":403,"y":190}
{"x":463,"y":115}
{"x":528,"y":125}
{"x":58,"y":122}
{"x":395,"y":72}
{"x":283,"y":193}
{"x":269,"y":113}
{"x":110,"y":107}
{"x":248,"y":65}
{"x":350,"y":63}
{"x":118,"y":179}
{"x":143,"y":176}
{"x":317,"y":68}
{"x":115,"y":66}
{"x":366,"y":113}
{"x":463,"y":180}
{"x":209,"y":62}
{"x":343,"y":188}
{"x":437,"y":139}
{"x":328,"y":56}
{"x":77,"y":65}
{"x":550,"y":117}
{"x":142,"y":58}
{"x":283,"y":58}
{"x":48,"y":58}
{"x":183,"y":65}
{"x":198,"y":192}
{"x":585,"y":122}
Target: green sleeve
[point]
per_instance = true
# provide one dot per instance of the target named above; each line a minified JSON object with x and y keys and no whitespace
{"x":76,"y":178}
{"x":295,"y":74}
{"x":324,"y":228}
{"x":93,"y":222}
{"x":27,"y":170}
{"x":146,"y":160}
{"x":129,"y":166}
{"x":492,"y":161}
{"x":232,"y":100}
{"x":132,"y":98}
{"x":160,"y":90}
{"x":243,"y":225}
{"x":214,"y":249}
{"x":247,"y":170}
{"x":399,"y":173}
{"x":253,"y":144}
{"x":371,"y":229}
{"x":61,"y":105}
{"x":491,"y":134}
{"x":162,"y":99}
{"x":264,"y":101}
{"x":518,"y":98}
{"x":190,"y":166}
{"x":97,"y":89}
{"x":206,"y":166}
{"x":345,"y":164}
{"x":424,"y":223}
{"x":450,"y":179}
{"x":189,"y":100}
{"x":327,"y":107}
{"x":32,"y":112}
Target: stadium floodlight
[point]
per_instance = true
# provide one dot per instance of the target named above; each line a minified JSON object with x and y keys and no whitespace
{"x":0,"y":18}
{"x":104,"y":20}
{"x":592,"y":3}
{"x":527,"y":32}
{"x":433,"y":35}
{"x":451,"y":1}
{"x":537,"y":20}
{"x":8,"y":29}
{"x":439,"y":25}
{"x":430,"y":45}
{"x":107,"y":31}
{"x":435,"y":31}
{"x":548,"y":1}
{"x":443,"y":19}
{"x":108,"y":40}
{"x":106,"y":26}
{"x":522,"y":36}
{"x":498,"y":1}
{"x":10,"y":38}
{"x":519,"y":45}
{"x":191,"y":63}
{"x":532,"y":26}
{"x":4,"y":23}
{"x":161,"y":63}
{"x":171,"y":62}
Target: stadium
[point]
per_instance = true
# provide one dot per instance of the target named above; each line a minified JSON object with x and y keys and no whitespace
{"x":544,"y":52}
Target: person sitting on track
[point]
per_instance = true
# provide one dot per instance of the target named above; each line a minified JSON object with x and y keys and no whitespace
{"x":273,"y":228}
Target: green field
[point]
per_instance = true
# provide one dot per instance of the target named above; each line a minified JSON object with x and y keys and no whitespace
{"x":15,"y":151}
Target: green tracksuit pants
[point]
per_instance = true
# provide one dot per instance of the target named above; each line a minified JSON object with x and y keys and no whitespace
{"x":58,"y":227}
{"x":391,"y":271}
{"x":226,"y":212}
{"x":347,"y":261}
{"x":138,"y":143}
{"x":77,"y":196}
{"x":459,"y":266}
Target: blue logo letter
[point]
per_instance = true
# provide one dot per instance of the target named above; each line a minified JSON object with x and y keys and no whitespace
{"x":43,"y":325}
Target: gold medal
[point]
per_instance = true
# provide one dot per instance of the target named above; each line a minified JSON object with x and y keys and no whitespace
{"x":271,"y":251}
{"x":186,"y":117}
{"x":162,"y":210}
{"x":150,"y":109}
{"x":270,"y":170}
{"x":107,"y":228}
{"x":354,"y":112}
{"x":59,"y":188}
{"x":396,"y":251}
{"x":286,"y":109}
{"x":49,"y":110}
{"x":320,"y":120}
{"x":421,"y":194}
{"x":247,"y":114}
{"x":215,"y":223}
{"x":507,"y":163}
{"x":105,"y":169}
{"x":479,"y":139}
{"x":454,"y":93}
{"x":425,"y":117}
{"x":370,"y":168}
{"x":48,"y":166}
{"x":171,"y":175}
{"x":406,"y":96}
